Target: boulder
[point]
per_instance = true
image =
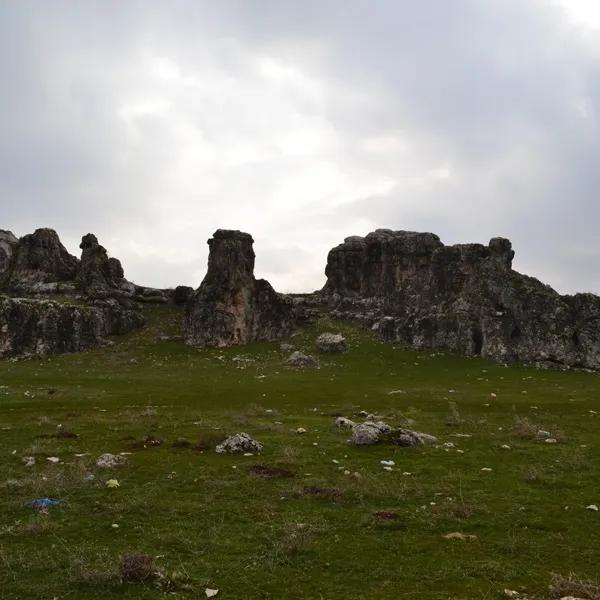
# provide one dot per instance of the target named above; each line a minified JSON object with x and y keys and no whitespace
{"x":415,"y":291}
{"x":344,"y":423}
{"x":331,"y":342}
{"x":298,"y":360}
{"x":408,"y":438}
{"x":368,"y":433}
{"x":240,"y":442}
{"x":231,"y":306}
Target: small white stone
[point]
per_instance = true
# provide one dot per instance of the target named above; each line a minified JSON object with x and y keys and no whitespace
{"x":486,"y":469}
{"x":593,"y":507}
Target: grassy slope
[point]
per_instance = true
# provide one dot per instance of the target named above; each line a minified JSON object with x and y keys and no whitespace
{"x":218,"y":526}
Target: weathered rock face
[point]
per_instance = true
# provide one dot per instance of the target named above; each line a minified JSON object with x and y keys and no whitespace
{"x":181,"y":294}
{"x":37,"y":259}
{"x":33,"y":327}
{"x":464,"y":298}
{"x":97,"y":299}
{"x":8,"y":241}
{"x":231,"y":306}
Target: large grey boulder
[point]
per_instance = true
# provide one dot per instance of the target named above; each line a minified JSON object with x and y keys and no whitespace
{"x":240,"y":442}
{"x":465,"y":298}
{"x":369,"y":432}
{"x":231,"y":306}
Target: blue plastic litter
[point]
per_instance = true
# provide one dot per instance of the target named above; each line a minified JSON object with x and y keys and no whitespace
{"x":45,"y":503}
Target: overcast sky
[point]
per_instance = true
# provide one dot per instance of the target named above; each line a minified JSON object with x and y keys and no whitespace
{"x":153,"y":123}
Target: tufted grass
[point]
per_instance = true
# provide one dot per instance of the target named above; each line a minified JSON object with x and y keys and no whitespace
{"x":209,"y":521}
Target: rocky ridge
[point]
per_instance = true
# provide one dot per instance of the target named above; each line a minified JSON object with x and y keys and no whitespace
{"x":465,"y":298}
{"x":53,"y":302}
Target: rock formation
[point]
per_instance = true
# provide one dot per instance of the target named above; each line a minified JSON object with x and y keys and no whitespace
{"x":96,"y":299}
{"x":465,"y":298}
{"x":39,"y":262}
{"x":35,"y":327}
{"x":231,"y":306}
{"x":98,"y":275}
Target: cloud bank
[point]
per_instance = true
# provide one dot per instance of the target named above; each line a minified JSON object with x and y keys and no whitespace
{"x":154,"y":123}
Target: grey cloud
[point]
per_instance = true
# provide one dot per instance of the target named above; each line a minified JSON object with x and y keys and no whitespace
{"x":151,"y":124}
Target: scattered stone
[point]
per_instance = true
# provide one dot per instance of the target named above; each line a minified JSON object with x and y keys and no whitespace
{"x":210,"y":593}
{"x":110,"y":461}
{"x":457,"y":535}
{"x":53,"y":459}
{"x":331,"y":343}
{"x":344,"y":423}
{"x":368,"y":433}
{"x":300,"y":430}
{"x":593,"y":507}
{"x":112,"y":483}
{"x":408,"y":438}
{"x":28,"y":461}
{"x":299,"y":360}
{"x":241,"y":442}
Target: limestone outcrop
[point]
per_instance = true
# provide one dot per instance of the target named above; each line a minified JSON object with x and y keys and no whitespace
{"x":231,"y":306}
{"x":96,"y":300}
{"x":464,"y":298}
{"x":39,"y":262}
{"x":35,"y":327}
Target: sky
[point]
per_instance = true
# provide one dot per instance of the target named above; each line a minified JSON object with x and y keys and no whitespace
{"x":154,"y":123}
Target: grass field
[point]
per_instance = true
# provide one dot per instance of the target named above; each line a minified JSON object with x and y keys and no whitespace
{"x":210,"y":522}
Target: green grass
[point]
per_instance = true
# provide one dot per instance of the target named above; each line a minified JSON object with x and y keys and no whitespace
{"x":210,"y":523}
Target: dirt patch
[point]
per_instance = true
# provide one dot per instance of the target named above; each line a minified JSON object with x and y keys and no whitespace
{"x":181,"y":443}
{"x":208,"y":440}
{"x":386,"y":515}
{"x":320,"y":492}
{"x":136,"y":568}
{"x":61,"y":435}
{"x":148,"y":442}
{"x":269,"y":472}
